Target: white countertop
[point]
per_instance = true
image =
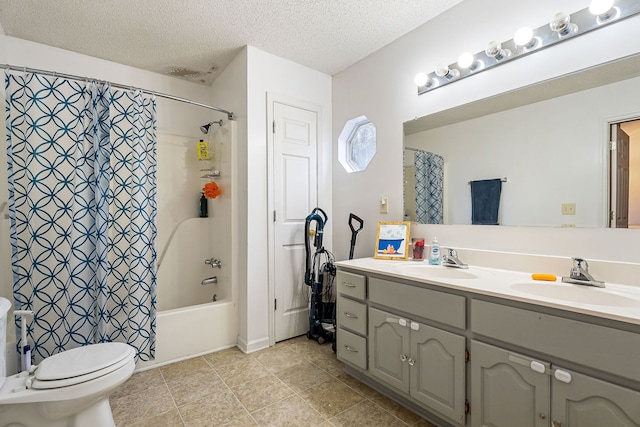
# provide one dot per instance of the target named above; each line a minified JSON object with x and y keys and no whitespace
{"x":615,"y":301}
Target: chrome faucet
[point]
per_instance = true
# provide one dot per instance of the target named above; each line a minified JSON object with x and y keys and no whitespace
{"x":451,"y":259}
{"x":213,"y":262}
{"x":579,"y":274}
{"x":209,"y":281}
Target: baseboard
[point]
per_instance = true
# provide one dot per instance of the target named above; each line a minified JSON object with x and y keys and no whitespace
{"x":252,"y":346}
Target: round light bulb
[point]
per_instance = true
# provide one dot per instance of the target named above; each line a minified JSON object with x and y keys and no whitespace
{"x":494,"y":49}
{"x":600,"y":7}
{"x":421,"y":79}
{"x":560,"y":21}
{"x":442,"y":70}
{"x":523,"y":36}
{"x":466,"y":60}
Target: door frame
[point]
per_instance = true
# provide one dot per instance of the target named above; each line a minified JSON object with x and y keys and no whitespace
{"x":305,"y":105}
{"x":609,"y":179}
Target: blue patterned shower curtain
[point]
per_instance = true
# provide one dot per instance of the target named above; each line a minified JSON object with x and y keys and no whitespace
{"x":82,"y":197}
{"x":429,"y":187}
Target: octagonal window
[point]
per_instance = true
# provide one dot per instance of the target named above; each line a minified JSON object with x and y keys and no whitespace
{"x":357,"y":144}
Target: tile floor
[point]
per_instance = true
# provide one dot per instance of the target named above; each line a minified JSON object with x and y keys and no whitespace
{"x":294,"y":383}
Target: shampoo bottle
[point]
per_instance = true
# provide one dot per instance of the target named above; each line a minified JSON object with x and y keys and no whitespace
{"x":434,"y":253}
{"x":204,"y":211}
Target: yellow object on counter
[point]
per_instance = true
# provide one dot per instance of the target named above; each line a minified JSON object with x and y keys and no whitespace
{"x":547,"y":277}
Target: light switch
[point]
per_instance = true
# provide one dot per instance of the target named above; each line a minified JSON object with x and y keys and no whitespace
{"x":384,"y":205}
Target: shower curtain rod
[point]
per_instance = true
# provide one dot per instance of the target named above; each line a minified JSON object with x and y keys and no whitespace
{"x":229,"y":114}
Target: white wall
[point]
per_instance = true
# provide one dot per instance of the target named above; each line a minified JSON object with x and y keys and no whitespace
{"x":381,"y":87}
{"x":230,"y":90}
{"x":274,"y":76}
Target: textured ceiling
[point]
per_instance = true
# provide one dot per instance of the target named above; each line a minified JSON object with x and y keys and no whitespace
{"x":196,"y":39}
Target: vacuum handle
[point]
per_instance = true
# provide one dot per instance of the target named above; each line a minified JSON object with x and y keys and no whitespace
{"x":353,"y":217}
{"x":354,"y":231}
{"x":323,"y":215}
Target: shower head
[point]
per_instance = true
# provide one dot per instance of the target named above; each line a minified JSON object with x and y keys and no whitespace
{"x":205,"y":128}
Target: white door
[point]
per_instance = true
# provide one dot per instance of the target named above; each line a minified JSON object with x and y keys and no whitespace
{"x":295,"y":195}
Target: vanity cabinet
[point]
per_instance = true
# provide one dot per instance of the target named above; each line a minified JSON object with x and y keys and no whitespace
{"x":351,"y":319}
{"x":508,"y":388}
{"x":464,"y":358}
{"x":425,"y":362}
{"x":589,"y":402}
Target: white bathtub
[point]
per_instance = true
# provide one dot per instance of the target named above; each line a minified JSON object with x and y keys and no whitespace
{"x":192,"y":331}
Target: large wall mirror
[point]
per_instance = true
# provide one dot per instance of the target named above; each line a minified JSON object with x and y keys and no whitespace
{"x":549,"y":141}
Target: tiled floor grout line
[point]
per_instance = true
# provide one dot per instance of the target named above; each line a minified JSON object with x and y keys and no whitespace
{"x":175,"y":404}
{"x":365,"y":398}
{"x":290,"y":388}
{"x":234,"y":394}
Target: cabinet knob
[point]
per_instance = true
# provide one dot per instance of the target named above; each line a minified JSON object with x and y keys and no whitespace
{"x":542,"y":416}
{"x":411,"y":362}
{"x":403,"y":357}
{"x":555,"y":424}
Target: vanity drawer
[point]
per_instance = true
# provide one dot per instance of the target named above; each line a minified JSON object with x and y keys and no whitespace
{"x":600,"y":347}
{"x":353,"y":285}
{"x":352,"y":315}
{"x":352,"y":348}
{"x":426,"y":303}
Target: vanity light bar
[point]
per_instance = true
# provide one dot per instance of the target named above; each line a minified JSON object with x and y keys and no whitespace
{"x":561,"y":27}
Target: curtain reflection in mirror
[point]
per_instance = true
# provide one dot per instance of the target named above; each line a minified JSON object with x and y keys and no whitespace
{"x":429,"y":186}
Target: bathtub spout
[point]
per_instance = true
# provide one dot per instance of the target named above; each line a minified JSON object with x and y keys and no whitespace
{"x":210,"y":281}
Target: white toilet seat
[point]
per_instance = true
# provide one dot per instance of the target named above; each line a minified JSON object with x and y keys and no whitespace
{"x":80,"y":365}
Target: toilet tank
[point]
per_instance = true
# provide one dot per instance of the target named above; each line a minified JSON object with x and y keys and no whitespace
{"x":5,"y":305}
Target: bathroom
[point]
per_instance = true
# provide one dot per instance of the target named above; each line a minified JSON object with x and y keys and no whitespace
{"x":380,"y":87}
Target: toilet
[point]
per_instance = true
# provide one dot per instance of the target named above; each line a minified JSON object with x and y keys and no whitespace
{"x":67,"y":389}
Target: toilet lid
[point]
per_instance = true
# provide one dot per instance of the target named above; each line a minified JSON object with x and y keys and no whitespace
{"x":81,"y":364}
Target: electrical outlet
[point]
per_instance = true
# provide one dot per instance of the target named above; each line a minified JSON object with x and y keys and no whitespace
{"x":384,"y":205}
{"x":568,"y":209}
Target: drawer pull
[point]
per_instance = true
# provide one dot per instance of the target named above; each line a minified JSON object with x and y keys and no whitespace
{"x":352,"y":350}
{"x":349,"y":285}
{"x":349,"y":315}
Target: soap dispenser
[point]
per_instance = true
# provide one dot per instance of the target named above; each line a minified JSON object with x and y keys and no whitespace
{"x":434,"y":253}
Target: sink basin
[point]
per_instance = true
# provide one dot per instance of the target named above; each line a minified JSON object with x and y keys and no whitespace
{"x":427,"y":271}
{"x":576,"y":293}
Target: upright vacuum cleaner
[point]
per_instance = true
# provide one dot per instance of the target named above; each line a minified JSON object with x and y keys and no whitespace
{"x":319,"y":275}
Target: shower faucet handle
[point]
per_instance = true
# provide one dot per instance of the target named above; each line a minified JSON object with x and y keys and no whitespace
{"x":213,"y":262}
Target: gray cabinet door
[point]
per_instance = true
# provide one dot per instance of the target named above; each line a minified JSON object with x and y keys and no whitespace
{"x":388,"y":349}
{"x":438,"y":370}
{"x":506,"y":391}
{"x":589,"y":402}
